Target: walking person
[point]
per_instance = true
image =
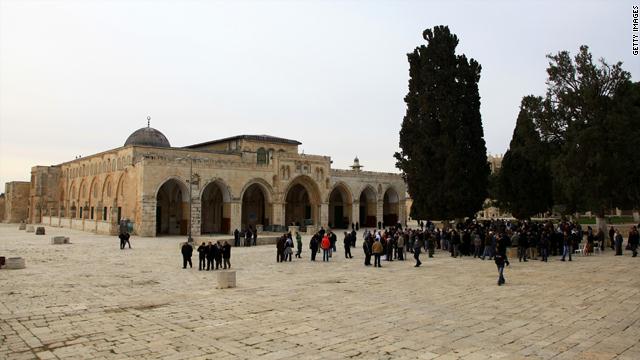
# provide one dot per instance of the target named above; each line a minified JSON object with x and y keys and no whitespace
{"x":298,"y":245}
{"x":400,"y":244}
{"x":124,"y":239}
{"x":377,"y":249}
{"x":226,"y":254}
{"x":217,"y":255}
{"x":202,"y":256}
{"x":187,"y":251}
{"x":288,"y":248}
{"x":500,"y":259}
{"x":417,"y":247}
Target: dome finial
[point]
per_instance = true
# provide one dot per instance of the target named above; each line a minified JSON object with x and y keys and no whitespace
{"x":149,"y":121}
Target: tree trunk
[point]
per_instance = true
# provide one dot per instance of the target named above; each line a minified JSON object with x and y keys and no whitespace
{"x":601,"y":221}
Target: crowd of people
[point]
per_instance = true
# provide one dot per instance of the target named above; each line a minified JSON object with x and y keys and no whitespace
{"x":481,"y":239}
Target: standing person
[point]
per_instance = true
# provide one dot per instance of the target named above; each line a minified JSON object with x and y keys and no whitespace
{"x":124,"y":239}
{"x":618,"y":240}
{"x":280,"y":248}
{"x":417,"y":247}
{"x":612,"y":233}
{"x":567,"y":247}
{"x":400,"y":244}
{"x":523,"y":246}
{"x":299,"y":245}
{"x":325,"y":244}
{"x":634,"y":240}
{"x":366,"y":246}
{"x":247,"y":237}
{"x":255,"y":236}
{"x":210,"y":256}
{"x":187,"y":251}
{"x":288,"y":248}
{"x":544,"y":246}
{"x":236,"y":237}
{"x":353,"y":238}
{"x":347,"y":246}
{"x":430,"y":244}
{"x":477,"y":245}
{"x":217,"y":255}
{"x":333,"y":239}
{"x":202,"y":256}
{"x":226,"y":254}
{"x":377,"y":249}
{"x":313,"y":246}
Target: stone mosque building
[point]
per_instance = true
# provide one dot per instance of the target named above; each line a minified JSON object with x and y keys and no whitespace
{"x":222,"y":185}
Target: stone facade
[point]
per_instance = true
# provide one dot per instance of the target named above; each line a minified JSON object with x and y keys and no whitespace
{"x":16,"y":203}
{"x":222,"y":185}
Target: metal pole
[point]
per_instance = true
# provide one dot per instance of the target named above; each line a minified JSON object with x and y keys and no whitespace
{"x":189,"y":238}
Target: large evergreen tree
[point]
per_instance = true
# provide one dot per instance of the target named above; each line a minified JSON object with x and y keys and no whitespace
{"x":524,"y":181}
{"x":443,"y":154}
{"x":581,"y":98}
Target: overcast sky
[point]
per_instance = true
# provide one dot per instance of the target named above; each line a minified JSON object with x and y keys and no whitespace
{"x":77,"y":77}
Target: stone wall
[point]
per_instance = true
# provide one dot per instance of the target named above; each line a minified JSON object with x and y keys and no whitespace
{"x":16,"y":201}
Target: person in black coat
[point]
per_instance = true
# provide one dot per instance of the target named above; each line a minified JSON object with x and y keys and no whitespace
{"x":202,"y":256}
{"x":313,"y":246}
{"x":366,"y":247}
{"x":210,"y":255}
{"x":187,"y":251}
{"x":217,"y":254}
{"x":236,"y":237}
{"x":226,"y":255}
{"x":347,"y":245}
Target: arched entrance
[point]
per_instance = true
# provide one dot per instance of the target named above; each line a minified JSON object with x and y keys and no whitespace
{"x":368,"y":203}
{"x":216,"y":210}
{"x":302,"y":203}
{"x":172,"y":209}
{"x":390,"y":207}
{"x":254,"y":207}
{"x":340,"y":208}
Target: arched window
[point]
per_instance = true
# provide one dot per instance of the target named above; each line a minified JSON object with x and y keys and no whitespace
{"x":262,"y":156}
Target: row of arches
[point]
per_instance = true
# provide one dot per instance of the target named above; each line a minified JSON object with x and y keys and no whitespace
{"x":302,"y":206}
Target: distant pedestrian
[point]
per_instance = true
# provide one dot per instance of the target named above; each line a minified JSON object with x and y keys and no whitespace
{"x":347,"y":246}
{"x":124,"y":240}
{"x":313,"y":246}
{"x":236,"y":237}
{"x":634,"y":240}
{"x":417,"y":247}
{"x":325,"y":244}
{"x":298,"y":245}
{"x":377,"y":249}
{"x":618,"y":240}
{"x":187,"y":251}
{"x":226,"y":254}
{"x":202,"y":256}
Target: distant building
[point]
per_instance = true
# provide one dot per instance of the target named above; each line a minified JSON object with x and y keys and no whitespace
{"x":231,"y":183}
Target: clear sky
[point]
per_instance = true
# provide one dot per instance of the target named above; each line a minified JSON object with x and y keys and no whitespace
{"x":77,"y":77}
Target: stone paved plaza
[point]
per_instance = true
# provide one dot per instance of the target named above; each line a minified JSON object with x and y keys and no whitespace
{"x":90,"y":300}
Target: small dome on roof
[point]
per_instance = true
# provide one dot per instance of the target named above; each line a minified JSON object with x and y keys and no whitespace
{"x":147,"y":136}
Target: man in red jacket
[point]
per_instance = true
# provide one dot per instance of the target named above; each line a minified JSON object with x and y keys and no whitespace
{"x":325,"y":244}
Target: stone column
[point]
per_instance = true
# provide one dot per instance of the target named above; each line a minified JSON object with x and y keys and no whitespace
{"x":147,"y":224}
{"x":235,"y":215}
{"x":402,"y":212}
{"x":355,"y":212}
{"x":278,"y":213}
{"x":196,"y":217}
{"x":324,"y":215}
{"x":379,"y":212}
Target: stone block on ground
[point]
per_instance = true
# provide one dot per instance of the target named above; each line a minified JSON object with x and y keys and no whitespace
{"x":226,"y":279}
{"x":59,"y":240}
{"x":15,"y":263}
{"x":30,"y":228}
{"x":22,"y":226}
{"x":40,"y":230}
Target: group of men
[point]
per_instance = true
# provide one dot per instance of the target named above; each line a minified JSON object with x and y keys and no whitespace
{"x":218,"y":254}
{"x":249,"y":237}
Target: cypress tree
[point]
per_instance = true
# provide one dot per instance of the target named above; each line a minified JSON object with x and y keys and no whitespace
{"x":524,"y":181}
{"x":443,"y":155}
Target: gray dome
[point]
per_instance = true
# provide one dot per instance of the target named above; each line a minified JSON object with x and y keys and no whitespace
{"x":147,"y":136}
